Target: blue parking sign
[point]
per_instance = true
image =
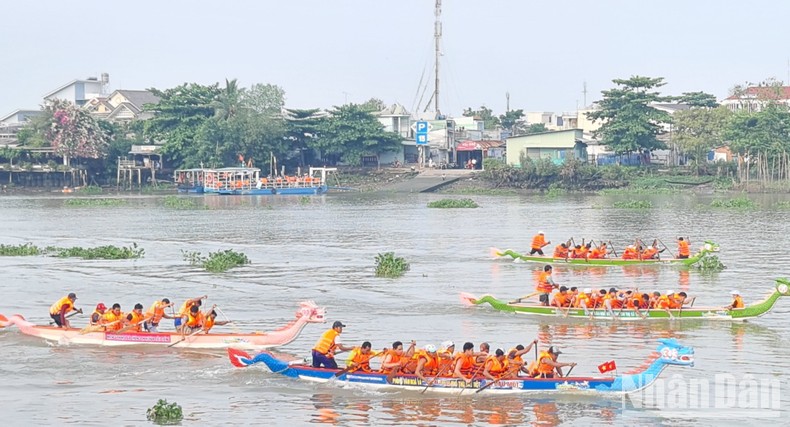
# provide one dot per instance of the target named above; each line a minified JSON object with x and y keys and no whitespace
{"x":422,"y":126}
{"x":421,"y":138}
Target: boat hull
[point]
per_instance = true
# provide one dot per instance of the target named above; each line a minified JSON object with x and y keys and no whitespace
{"x":285,"y":191}
{"x":598,"y":262}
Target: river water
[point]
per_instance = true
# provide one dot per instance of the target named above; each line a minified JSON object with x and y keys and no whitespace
{"x":323,"y":248}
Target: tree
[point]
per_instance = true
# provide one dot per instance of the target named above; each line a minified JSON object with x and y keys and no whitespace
{"x":229,"y":100}
{"x":513,"y":121}
{"x":699,"y":130}
{"x":74,"y":132}
{"x":698,"y":100}
{"x":301,"y":127}
{"x":351,"y":132}
{"x":265,"y":99}
{"x":763,"y":139}
{"x":536,"y":128}
{"x":490,"y":121}
{"x":178,"y":118}
{"x":373,"y":105}
{"x":630,"y":124}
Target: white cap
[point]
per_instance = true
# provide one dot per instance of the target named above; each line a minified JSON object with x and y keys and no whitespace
{"x":587,"y":290}
{"x":540,"y":232}
{"x":430,"y":348}
{"x":734,"y":292}
{"x":670,"y":292}
{"x":447,"y":344}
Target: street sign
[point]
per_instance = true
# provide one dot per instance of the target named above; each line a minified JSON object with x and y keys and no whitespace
{"x":421,"y":129}
{"x":422,"y":126}
{"x":421,"y":138}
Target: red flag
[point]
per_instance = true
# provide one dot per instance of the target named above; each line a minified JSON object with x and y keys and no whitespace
{"x":608,"y":366}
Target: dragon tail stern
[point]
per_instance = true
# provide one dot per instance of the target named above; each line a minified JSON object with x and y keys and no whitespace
{"x":239,"y":358}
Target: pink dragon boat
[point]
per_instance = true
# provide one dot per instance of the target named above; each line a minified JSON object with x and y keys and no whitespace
{"x":308,"y":312}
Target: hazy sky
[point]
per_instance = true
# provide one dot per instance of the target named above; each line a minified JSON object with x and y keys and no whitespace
{"x":326,"y":52}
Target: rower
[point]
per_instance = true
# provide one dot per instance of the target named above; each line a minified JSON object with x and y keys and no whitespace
{"x":630,"y":252}
{"x":359,"y":358}
{"x":113,"y":318}
{"x":600,"y":252}
{"x":573,"y":293}
{"x":184,"y":310}
{"x":193,"y":321}
{"x":545,"y":285}
{"x":737,"y":301}
{"x":427,"y":362}
{"x":61,"y":307}
{"x":135,"y":318}
{"x":156,"y":313}
{"x":495,"y":365}
{"x":547,"y":363}
{"x":464,"y":363}
{"x":561,"y":251}
{"x":577,"y":252}
{"x":560,"y":298}
{"x":482,"y":356}
{"x":514,"y":355}
{"x":395,"y":358}
{"x":445,"y":355}
{"x":211,"y":320}
{"x":538,"y":243}
{"x":325,"y":348}
{"x":683,"y":248}
{"x":97,"y":314}
{"x":651,"y":252}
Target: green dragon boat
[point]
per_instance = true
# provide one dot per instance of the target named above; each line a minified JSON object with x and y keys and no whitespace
{"x":707,"y":248}
{"x":752,"y":311}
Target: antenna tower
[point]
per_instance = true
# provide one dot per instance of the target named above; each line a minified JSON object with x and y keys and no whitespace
{"x":437,"y":35}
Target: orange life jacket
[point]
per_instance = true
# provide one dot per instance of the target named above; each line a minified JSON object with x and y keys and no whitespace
{"x":598,"y":253}
{"x":195,"y":320}
{"x":208,"y":323}
{"x":630,"y":253}
{"x":467,"y":363}
{"x":362,"y":361}
{"x":583,"y":300}
{"x":156,"y":312}
{"x":649,"y":253}
{"x":663,"y":302}
{"x":135,"y":319}
{"x":110,"y":317}
{"x":184,"y":310}
{"x":545,"y":368}
{"x":326,"y":342}
{"x":495,"y":366}
{"x":544,"y":286}
{"x":429,"y":367}
{"x":683,"y":248}
{"x":517,"y":359}
{"x":737,"y":302}
{"x":538,"y":241}
{"x":58,"y":306}
{"x":444,"y":364}
{"x":578,"y":253}
{"x":394,"y":357}
{"x":560,"y":252}
{"x":560,"y":300}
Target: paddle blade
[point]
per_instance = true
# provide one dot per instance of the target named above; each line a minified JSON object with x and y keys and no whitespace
{"x":468,"y":300}
{"x":238,"y":358}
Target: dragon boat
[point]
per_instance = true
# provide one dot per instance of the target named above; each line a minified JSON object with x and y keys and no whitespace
{"x":713,"y":313}
{"x":707,"y":248}
{"x":308,"y":312}
{"x":669,"y":352}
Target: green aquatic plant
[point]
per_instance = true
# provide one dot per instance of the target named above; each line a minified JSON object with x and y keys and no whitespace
{"x":741,"y":202}
{"x":391,"y":266}
{"x":164,"y":413}
{"x":710,"y":264}
{"x":94,"y":202}
{"x":100,"y":252}
{"x":90,"y":190}
{"x":453,"y":203}
{"x":216,"y":262}
{"x":783,"y":204}
{"x":633,"y":204}
{"x":26,"y":249}
{"x":185,"y":203}
{"x":480,"y":191}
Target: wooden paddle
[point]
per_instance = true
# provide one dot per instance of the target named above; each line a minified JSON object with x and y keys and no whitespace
{"x":569,"y":371}
{"x":76,"y":312}
{"x":477,"y":371}
{"x":665,"y":247}
{"x":505,"y":374}
{"x":438,"y":374}
{"x":518,"y":300}
{"x":188,"y":336}
{"x":96,"y":328}
{"x":129,"y":327}
{"x":614,"y":251}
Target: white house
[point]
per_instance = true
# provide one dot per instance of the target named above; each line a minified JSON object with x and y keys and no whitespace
{"x":77,"y":91}
{"x":12,"y":122}
{"x":753,"y":98}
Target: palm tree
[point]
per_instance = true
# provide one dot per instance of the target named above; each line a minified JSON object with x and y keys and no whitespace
{"x":229,"y":102}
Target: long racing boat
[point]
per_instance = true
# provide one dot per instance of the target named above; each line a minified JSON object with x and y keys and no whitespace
{"x":669,"y":352}
{"x":308,"y":312}
{"x":713,"y":313}
{"x":707,"y":248}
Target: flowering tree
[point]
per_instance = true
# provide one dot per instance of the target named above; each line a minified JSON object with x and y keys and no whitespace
{"x":74,"y":133}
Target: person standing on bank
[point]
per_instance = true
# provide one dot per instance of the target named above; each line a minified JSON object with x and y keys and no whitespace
{"x":328,"y":345}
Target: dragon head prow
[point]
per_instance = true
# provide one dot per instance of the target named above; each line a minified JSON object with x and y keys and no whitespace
{"x":710,"y":246}
{"x":673,"y":353}
{"x":312,"y":312}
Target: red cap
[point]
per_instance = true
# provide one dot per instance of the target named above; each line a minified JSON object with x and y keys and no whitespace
{"x":101,"y":306}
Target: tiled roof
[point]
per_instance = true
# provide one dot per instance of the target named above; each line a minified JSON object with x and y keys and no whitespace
{"x":139,"y":98}
{"x":766,"y":92}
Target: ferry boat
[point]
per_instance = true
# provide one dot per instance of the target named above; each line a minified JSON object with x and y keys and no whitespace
{"x":247,"y":181}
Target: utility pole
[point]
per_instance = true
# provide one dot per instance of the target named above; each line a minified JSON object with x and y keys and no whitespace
{"x":584,"y":91}
{"x":437,"y":35}
{"x":507,"y":106}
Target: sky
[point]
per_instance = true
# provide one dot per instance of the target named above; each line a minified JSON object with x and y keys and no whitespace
{"x":326,"y":53}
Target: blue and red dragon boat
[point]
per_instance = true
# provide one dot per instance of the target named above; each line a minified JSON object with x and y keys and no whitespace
{"x":669,"y":352}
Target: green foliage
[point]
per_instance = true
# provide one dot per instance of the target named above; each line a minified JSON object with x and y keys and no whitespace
{"x":785,"y":204}
{"x":352,"y":132}
{"x":629,"y":123}
{"x":184,"y":203}
{"x":388,"y":265}
{"x":513,"y":121}
{"x":90,"y":190}
{"x":698,"y":100}
{"x":81,"y":203}
{"x":100,"y":252}
{"x":699,"y":130}
{"x":453,"y":203}
{"x":536,"y":128}
{"x":26,"y":249}
{"x":490,"y":121}
{"x":164,"y":413}
{"x":741,"y":202}
{"x":633,"y":204}
{"x":710,"y":263}
{"x":216,"y":262}
{"x":301,"y":127}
